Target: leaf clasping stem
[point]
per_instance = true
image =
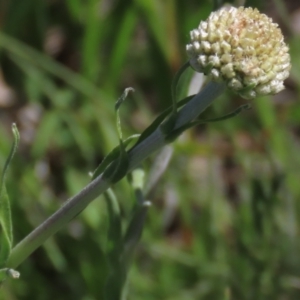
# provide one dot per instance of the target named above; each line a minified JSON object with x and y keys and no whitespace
{"x":77,"y":203}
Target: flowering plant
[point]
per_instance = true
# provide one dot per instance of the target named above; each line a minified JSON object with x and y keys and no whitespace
{"x":238,"y":48}
{"x":242,"y":47}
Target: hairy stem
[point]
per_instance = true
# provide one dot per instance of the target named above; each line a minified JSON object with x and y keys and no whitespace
{"x":139,"y":153}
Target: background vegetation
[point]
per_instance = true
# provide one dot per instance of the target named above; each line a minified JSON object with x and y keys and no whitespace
{"x":224,"y":223}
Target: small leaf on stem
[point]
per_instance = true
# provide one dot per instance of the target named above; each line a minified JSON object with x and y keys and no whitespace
{"x":5,"y":214}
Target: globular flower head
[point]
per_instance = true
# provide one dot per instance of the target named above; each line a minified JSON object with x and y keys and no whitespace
{"x":242,"y":47}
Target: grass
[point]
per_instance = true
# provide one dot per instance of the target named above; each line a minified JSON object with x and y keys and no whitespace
{"x":224,"y":223}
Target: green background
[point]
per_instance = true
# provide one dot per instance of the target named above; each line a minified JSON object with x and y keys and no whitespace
{"x":224,"y":223}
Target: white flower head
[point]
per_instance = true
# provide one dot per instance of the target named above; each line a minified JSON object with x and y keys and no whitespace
{"x":242,"y":47}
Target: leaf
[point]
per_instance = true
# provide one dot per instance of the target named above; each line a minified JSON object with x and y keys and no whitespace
{"x":119,"y":167}
{"x":115,"y":164}
{"x":159,"y":119}
{"x":175,"y":133}
{"x":115,"y":229}
{"x":114,"y":154}
{"x":6,"y":236}
{"x":5,"y":227}
{"x":167,"y":126}
{"x":117,"y":276}
{"x":117,"y":107}
{"x":122,"y":42}
{"x":136,"y":224}
{"x":134,"y":232}
{"x":176,"y":81}
{"x":121,"y":249}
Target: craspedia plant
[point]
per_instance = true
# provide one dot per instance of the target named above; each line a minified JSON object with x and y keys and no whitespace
{"x":242,"y":47}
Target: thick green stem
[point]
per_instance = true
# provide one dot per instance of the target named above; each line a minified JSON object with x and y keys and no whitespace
{"x":139,"y":153}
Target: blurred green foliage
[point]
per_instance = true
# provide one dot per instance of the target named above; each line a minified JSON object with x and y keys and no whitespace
{"x":225,"y":218}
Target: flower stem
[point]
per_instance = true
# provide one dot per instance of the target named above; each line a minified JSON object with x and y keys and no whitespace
{"x":138,"y":154}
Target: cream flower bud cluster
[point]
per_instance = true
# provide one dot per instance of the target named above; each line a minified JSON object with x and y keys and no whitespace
{"x":242,"y":47}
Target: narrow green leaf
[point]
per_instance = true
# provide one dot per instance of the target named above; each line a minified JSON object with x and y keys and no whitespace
{"x":113,"y":155}
{"x":123,"y":39}
{"x":115,"y":230}
{"x":152,"y":12}
{"x":6,"y":236}
{"x":122,"y":248}
{"x":93,"y":30}
{"x":159,"y":119}
{"x":117,"y":107}
{"x":134,"y":232}
{"x":123,"y":97}
{"x":115,"y":165}
{"x":175,"y":83}
{"x":18,"y":49}
{"x":118,"y":168}
{"x":227,"y":116}
{"x":136,"y":224}
{"x":5,"y":227}
{"x":170,"y":122}
{"x":116,"y":278}
{"x":175,"y":133}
